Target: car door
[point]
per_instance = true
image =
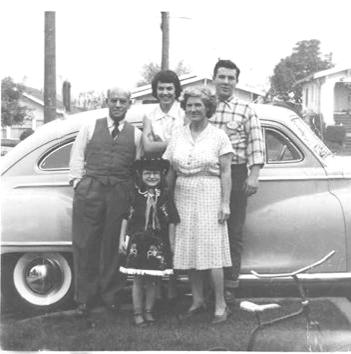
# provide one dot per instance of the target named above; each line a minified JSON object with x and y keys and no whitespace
{"x":293,"y":220}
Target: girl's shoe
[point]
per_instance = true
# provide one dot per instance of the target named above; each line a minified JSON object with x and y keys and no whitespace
{"x":149,"y":316}
{"x":139,"y":320}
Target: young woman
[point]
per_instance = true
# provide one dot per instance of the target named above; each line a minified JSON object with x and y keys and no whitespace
{"x":166,"y":117}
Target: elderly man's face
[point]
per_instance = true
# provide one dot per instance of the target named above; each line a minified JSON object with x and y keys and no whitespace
{"x":118,"y":103}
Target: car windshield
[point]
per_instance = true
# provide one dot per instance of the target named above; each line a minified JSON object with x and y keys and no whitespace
{"x":312,"y":140}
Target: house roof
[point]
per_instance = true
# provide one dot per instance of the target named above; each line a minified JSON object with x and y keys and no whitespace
{"x":37,"y":96}
{"x":190,"y":79}
{"x":325,"y":73}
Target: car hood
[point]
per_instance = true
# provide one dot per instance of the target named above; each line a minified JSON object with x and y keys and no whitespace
{"x":339,"y":165}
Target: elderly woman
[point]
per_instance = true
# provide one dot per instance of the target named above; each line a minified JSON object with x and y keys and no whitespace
{"x":200,"y":156}
{"x":160,"y":123}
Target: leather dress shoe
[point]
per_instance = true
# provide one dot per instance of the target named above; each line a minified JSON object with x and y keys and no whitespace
{"x":221,"y":318}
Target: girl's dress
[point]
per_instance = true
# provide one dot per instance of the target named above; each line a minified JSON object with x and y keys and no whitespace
{"x":201,"y":242}
{"x":148,"y":250}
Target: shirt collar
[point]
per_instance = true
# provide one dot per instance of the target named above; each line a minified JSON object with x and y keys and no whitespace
{"x":203,"y":133}
{"x":231,"y":99}
{"x":173,"y":112}
{"x":111,"y":123}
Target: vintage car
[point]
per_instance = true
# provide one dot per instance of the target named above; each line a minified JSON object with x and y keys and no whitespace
{"x":301,"y":212}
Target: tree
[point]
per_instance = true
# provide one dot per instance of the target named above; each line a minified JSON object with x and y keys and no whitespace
{"x":11,"y":111}
{"x":305,"y":60}
{"x":150,"y":69}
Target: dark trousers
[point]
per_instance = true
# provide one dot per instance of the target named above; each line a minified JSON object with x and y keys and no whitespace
{"x":97,"y":216}
{"x":238,"y":204}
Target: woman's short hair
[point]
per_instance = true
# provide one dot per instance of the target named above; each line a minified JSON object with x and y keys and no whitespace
{"x":207,"y":96}
{"x":166,"y":76}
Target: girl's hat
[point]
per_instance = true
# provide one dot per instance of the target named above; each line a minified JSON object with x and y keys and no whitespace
{"x":151,"y":164}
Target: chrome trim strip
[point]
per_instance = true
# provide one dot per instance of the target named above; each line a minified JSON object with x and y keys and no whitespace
{"x":312,"y":277}
{"x":300,"y":178}
{"x":48,"y":184}
{"x":37,"y":243}
{"x":315,"y":276}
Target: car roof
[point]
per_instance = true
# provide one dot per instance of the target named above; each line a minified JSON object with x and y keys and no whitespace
{"x":275,"y":113}
{"x":60,"y":128}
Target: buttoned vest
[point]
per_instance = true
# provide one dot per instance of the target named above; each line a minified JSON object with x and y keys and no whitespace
{"x":108,"y":160}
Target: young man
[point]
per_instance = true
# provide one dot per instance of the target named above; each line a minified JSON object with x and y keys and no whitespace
{"x":239,"y":121}
{"x":101,"y":175}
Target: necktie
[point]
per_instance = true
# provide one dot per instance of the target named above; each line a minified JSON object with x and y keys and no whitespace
{"x":115,"y":130}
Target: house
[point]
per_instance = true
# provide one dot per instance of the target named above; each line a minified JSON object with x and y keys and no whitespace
{"x":328,"y":93}
{"x":143,"y":94}
{"x":33,"y":99}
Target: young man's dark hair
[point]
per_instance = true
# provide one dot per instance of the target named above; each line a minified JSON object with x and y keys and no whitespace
{"x":166,"y":76}
{"x":226,"y":64}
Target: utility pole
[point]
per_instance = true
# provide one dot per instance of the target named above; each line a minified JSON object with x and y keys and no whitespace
{"x":49,"y":67}
{"x":66,"y":95}
{"x":165,"y":40}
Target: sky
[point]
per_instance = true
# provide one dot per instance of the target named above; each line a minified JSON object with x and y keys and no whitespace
{"x":104,"y":43}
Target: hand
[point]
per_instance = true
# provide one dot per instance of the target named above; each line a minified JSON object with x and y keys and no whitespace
{"x":223,"y":214}
{"x":153,"y":137}
{"x":76,"y":182}
{"x":123,"y":248}
{"x":251,"y":185}
{"x":157,"y":138}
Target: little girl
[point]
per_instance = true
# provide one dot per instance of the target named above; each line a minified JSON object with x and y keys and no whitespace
{"x":147,"y":235}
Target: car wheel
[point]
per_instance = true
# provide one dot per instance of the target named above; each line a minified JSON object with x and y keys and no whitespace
{"x":42,"y":280}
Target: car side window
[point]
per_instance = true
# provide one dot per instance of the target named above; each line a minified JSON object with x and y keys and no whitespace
{"x":57,"y":159}
{"x":279,"y":148}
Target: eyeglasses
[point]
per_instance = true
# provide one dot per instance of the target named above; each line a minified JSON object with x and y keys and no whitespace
{"x":121,"y":101}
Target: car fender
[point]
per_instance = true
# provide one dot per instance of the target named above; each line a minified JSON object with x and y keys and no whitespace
{"x":343,"y":193}
{"x":37,"y":217}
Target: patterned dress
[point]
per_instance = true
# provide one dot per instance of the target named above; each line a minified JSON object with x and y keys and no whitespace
{"x":148,"y":250}
{"x":201,"y":241}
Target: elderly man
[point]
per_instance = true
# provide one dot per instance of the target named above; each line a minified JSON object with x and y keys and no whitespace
{"x":238,"y":119}
{"x":101,"y":175}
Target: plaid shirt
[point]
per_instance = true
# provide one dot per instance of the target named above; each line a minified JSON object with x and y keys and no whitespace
{"x":241,"y":124}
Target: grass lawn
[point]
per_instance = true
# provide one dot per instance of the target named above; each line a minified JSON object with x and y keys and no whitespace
{"x":64,"y":331}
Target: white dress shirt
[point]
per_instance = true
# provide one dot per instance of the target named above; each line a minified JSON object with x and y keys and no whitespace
{"x":77,"y":161}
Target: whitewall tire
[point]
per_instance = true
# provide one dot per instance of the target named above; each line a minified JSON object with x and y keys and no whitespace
{"x":42,"y":280}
